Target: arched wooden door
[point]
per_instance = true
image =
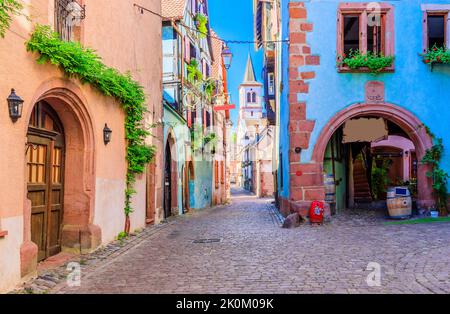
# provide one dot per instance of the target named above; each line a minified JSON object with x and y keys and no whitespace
{"x":168,"y":183}
{"x":45,"y":179}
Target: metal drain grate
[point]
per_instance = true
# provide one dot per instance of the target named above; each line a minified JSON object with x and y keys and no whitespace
{"x":201,"y":241}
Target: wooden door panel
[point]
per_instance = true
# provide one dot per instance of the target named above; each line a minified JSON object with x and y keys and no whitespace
{"x":45,"y":172}
{"x":37,"y":156}
{"x":45,"y":190}
{"x":38,"y":233}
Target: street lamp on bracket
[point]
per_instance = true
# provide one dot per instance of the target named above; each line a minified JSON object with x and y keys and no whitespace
{"x":227,"y":56}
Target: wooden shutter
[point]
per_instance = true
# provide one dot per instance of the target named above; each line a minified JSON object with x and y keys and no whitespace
{"x":187,"y":50}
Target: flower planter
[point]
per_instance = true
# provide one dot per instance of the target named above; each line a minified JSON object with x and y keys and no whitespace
{"x":365,"y":63}
{"x":434,"y":214}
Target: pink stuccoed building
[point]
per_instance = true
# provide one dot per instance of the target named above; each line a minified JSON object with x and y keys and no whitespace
{"x":61,"y":187}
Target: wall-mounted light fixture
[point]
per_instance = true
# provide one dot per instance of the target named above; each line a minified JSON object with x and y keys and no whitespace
{"x":15,"y":105}
{"x":106,"y":134}
{"x":227,"y":56}
{"x":298,"y":150}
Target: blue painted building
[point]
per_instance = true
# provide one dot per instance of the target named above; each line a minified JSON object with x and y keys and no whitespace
{"x":326,"y":96}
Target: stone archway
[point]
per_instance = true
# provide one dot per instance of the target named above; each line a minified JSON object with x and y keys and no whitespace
{"x":400,"y":116}
{"x":78,"y":234}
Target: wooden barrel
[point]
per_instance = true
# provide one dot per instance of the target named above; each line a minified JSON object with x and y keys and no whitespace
{"x":330,"y":188}
{"x":399,"y":202}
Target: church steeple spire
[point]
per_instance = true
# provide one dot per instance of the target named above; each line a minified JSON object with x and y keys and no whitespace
{"x":249,"y":76}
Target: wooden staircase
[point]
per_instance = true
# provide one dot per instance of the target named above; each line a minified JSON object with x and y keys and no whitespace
{"x":361,"y":184}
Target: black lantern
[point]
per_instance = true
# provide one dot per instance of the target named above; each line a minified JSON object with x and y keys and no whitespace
{"x":15,"y":105}
{"x":106,"y":134}
{"x":227,"y":56}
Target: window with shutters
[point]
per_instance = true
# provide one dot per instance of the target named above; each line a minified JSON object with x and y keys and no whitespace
{"x":222,"y":172}
{"x":216,"y":173}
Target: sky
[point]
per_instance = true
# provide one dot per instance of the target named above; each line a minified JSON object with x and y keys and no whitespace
{"x":233,"y":20}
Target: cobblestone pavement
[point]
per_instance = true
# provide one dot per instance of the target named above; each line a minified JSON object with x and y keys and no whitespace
{"x":255,"y":255}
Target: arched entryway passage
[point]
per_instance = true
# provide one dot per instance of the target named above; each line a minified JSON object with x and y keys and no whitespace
{"x":399,"y":121}
{"x":170,"y":178}
{"x":60,"y":176}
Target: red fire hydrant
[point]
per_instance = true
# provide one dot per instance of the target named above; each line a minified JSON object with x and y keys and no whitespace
{"x":316,"y":212}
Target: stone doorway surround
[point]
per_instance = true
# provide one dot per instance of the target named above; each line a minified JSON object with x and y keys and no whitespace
{"x":78,"y":230}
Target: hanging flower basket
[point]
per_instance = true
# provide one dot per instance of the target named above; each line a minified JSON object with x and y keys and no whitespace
{"x":200,"y":22}
{"x":194,"y":74}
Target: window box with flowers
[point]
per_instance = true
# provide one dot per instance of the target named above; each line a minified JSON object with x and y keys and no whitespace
{"x":436,"y":37}
{"x":436,"y":55}
{"x":368,"y":62}
{"x":365,"y":38}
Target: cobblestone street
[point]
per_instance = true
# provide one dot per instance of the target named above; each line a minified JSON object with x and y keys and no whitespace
{"x":255,"y":255}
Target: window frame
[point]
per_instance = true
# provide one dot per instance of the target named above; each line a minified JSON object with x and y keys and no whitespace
{"x":249,"y":98}
{"x":435,"y":9}
{"x":358,"y":8}
{"x":271,"y":83}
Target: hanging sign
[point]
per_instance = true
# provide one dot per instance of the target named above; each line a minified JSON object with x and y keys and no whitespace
{"x":224,"y":107}
{"x":365,"y":130}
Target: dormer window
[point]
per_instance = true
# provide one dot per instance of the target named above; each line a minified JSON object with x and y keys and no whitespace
{"x":68,"y":16}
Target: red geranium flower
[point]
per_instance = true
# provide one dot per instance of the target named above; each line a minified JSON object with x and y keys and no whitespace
{"x":434,"y":48}
{"x":427,"y":61}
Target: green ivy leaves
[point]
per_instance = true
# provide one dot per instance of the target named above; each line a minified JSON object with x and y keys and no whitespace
{"x":440,"y":178}
{"x":84,"y":64}
{"x":8,"y":8}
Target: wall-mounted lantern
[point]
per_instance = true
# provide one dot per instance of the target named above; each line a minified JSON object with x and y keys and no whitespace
{"x":298,"y":150}
{"x":106,"y":134}
{"x":15,"y":105}
{"x":227,"y":56}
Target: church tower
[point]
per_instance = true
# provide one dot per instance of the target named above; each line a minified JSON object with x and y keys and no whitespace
{"x":251,"y":115}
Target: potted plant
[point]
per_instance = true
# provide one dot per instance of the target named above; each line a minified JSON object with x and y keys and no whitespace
{"x":371,"y":62}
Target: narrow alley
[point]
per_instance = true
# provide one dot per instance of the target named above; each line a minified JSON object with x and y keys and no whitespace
{"x":241,"y":248}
